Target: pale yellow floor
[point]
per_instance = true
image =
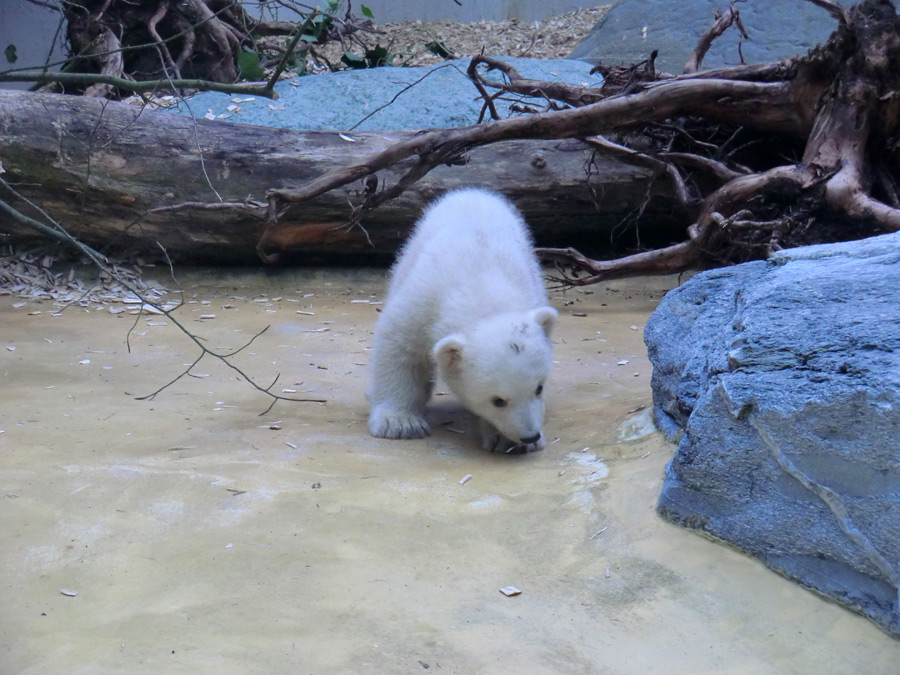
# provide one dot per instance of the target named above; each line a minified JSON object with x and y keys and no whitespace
{"x":200,"y":539}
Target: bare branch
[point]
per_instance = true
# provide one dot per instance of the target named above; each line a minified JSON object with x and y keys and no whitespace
{"x":722,"y":23}
{"x":136,"y":87}
{"x":101,"y":262}
{"x":834,"y":9}
{"x":670,"y":260}
{"x":740,"y":102}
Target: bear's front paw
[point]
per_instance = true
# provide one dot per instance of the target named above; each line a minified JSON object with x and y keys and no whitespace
{"x":386,"y":423}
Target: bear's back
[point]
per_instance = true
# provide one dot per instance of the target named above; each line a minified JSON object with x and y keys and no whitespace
{"x":474,"y":244}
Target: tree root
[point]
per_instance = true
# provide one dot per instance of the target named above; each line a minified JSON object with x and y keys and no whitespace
{"x":841,"y":98}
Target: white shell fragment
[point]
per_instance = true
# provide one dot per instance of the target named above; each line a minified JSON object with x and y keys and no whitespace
{"x":465,"y":479}
{"x":70,"y":593}
{"x":509,"y":591}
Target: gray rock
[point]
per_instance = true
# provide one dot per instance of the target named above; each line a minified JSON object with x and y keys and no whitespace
{"x":785,"y":377}
{"x":778,"y":29}
{"x":440,"y":96}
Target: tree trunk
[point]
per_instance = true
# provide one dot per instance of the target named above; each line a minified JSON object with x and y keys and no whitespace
{"x":108,"y":172}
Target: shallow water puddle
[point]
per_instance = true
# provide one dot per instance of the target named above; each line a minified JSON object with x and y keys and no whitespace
{"x":200,"y":537}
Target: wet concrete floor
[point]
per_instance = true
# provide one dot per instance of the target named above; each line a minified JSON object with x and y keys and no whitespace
{"x":201,"y":537}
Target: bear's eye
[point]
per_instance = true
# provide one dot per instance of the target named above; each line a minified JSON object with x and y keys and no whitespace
{"x":498,"y":402}
{"x":539,"y":390}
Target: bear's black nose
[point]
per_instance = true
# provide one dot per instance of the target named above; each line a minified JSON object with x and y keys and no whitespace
{"x":530,"y":439}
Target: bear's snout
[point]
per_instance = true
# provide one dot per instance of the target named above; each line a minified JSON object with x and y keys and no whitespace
{"x":530,"y":439}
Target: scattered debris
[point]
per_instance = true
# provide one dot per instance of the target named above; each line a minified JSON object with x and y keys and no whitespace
{"x":597,"y":534}
{"x":35,"y":274}
{"x":69,"y":592}
{"x":420,"y":43}
{"x":465,"y":479}
{"x":509,"y":591}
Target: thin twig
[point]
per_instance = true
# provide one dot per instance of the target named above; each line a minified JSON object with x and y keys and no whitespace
{"x":58,"y":232}
{"x":137,"y":86}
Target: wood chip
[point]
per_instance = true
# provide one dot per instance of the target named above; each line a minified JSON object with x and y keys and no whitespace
{"x":465,"y":479}
{"x":597,"y":534}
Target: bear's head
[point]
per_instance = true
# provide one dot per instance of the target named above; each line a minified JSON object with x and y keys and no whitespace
{"x":498,"y":368}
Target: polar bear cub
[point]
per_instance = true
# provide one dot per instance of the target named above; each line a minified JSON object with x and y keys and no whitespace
{"x":466,"y":300}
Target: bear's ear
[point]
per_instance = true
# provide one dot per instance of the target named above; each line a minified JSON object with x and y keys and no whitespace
{"x":449,"y":352}
{"x":545,"y":317}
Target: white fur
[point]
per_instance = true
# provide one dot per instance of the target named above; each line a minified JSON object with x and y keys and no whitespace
{"x":465,"y":298}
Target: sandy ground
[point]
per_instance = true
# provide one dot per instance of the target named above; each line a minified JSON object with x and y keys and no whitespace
{"x":202,"y":538}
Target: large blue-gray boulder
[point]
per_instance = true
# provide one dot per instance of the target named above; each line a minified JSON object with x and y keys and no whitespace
{"x":778,"y":29}
{"x":784,"y":376}
{"x":380,"y":99}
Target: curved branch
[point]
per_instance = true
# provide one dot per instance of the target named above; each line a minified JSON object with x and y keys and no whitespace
{"x":135,"y":86}
{"x":669,"y":260}
{"x":718,"y":169}
{"x":152,"y":23}
{"x":737,"y":102}
{"x":642,"y":159}
{"x":722,"y":23}
{"x":835,"y":10}
{"x":559,"y":91}
{"x":845,"y":191}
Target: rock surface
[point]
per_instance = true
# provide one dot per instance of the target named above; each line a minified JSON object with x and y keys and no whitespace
{"x":785,"y":377}
{"x":778,"y":29}
{"x":392,"y":98}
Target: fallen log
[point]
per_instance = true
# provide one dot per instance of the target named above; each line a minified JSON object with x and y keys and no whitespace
{"x":118,"y":178}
